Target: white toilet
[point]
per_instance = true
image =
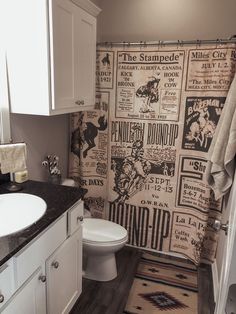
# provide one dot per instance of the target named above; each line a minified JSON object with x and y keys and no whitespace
{"x":101,"y":239}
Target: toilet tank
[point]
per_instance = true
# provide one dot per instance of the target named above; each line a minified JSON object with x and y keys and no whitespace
{"x":87,"y":213}
{"x":71,"y":182}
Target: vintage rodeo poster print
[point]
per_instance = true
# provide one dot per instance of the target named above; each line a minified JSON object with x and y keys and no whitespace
{"x":139,"y":150}
{"x":193,"y":191}
{"x":142,"y":174}
{"x":201,"y":117}
{"x":210,"y":69}
{"x":192,"y":236}
{"x":105,"y":69}
{"x":148,"y":84}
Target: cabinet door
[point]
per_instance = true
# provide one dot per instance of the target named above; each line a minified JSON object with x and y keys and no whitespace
{"x":64,"y":275}
{"x":28,"y":56}
{"x":87,"y":59}
{"x":64,"y":40}
{"x":31,"y":297}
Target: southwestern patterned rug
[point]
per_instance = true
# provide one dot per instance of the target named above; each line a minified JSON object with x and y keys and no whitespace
{"x":163,"y":285}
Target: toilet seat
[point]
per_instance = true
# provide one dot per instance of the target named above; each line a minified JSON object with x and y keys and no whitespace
{"x":108,"y":243}
{"x":103,"y":232}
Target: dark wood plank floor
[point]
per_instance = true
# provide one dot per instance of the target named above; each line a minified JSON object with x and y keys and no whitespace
{"x":110,"y":297}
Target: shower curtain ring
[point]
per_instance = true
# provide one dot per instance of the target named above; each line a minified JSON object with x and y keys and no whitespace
{"x":217,"y":42}
{"x":198,"y":44}
{"x":161,"y":44}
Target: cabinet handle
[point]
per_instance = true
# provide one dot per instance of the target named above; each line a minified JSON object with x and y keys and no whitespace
{"x":80,"y":218}
{"x":42,"y":278}
{"x":1,"y":298}
{"x":79,"y":102}
{"x":55,"y":264}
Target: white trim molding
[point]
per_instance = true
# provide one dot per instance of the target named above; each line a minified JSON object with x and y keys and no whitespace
{"x":88,"y":6}
{"x":215,"y":279}
{"x":5,"y":127}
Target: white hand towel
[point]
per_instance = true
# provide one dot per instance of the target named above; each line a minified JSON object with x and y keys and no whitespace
{"x":12,"y":157}
{"x":221,"y":163}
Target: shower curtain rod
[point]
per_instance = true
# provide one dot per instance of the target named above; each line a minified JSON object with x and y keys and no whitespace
{"x":170,"y":42}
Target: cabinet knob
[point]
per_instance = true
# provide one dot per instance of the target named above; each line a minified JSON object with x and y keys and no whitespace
{"x":79,"y":102}
{"x":1,"y":298}
{"x":42,"y":278}
{"x":55,"y":264}
{"x":80,"y":218}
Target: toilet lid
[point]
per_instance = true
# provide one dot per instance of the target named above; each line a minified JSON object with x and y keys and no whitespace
{"x":101,"y":230}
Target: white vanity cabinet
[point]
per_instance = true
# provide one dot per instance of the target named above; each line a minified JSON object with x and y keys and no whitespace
{"x":47,"y":273}
{"x":31,"y":298}
{"x":6,"y":282}
{"x":63,"y":272}
{"x":51,"y":55}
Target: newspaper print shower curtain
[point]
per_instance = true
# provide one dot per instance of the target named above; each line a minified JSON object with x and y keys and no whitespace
{"x":141,"y":154}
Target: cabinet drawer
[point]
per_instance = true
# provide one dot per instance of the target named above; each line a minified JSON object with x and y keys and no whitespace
{"x":6,"y":282}
{"x":75,"y":217}
{"x":35,"y":254}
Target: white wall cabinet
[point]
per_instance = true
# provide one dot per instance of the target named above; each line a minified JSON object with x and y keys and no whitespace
{"x":47,"y":274}
{"x":51,"y":55}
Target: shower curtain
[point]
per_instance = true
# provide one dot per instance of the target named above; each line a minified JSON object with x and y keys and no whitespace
{"x":140,"y":156}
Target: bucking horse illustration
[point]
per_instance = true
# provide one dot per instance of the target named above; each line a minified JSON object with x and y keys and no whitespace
{"x":86,"y":135}
{"x":150,"y":92}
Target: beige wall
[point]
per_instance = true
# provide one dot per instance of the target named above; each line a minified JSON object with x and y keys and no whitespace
{"x":148,"y":20}
{"x":43,"y":136}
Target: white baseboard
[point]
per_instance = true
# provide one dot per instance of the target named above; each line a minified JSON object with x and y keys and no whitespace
{"x":215,"y":279}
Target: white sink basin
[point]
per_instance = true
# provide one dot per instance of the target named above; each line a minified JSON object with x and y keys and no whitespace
{"x":18,"y":211}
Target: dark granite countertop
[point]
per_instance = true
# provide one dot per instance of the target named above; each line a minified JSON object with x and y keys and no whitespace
{"x":59,"y":198}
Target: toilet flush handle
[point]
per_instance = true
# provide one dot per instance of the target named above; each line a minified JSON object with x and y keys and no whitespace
{"x":80,"y":218}
{"x":55,"y":264}
{"x":42,"y":278}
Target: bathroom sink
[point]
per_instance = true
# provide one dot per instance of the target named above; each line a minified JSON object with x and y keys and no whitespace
{"x":18,"y":211}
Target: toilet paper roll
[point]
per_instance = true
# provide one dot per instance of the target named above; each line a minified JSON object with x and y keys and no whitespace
{"x":68,"y":182}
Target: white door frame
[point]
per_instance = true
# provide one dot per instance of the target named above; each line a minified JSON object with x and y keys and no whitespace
{"x":224,"y":281}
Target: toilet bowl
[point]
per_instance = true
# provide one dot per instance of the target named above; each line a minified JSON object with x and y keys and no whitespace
{"x":101,"y":239}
